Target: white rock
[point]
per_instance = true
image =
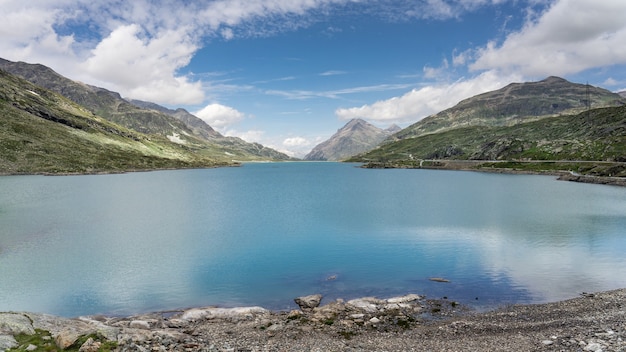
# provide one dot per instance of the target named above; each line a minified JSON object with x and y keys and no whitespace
{"x":140,"y":324}
{"x":6,"y":342}
{"x":222,"y":313}
{"x":367,"y":304}
{"x":404,"y":299}
{"x":31,"y":347}
{"x":547,"y":342}
{"x":14,"y":323}
{"x":374,"y":320}
{"x":594,"y":347}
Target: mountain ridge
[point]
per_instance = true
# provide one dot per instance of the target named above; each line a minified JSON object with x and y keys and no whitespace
{"x":515,"y":103}
{"x":586,"y":137}
{"x":179,"y":126}
{"x":42,"y":132}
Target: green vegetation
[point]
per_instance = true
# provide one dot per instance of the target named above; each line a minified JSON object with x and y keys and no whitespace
{"x":592,"y":142}
{"x":516,"y":103}
{"x":52,"y":125}
{"x":44,"y":342}
{"x":42,"y":132}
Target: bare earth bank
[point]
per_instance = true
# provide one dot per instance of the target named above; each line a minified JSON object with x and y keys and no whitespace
{"x":591,"y":322}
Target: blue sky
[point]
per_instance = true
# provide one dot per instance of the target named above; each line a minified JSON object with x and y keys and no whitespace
{"x":289,"y":73}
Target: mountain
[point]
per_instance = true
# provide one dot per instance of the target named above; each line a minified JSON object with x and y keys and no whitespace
{"x":594,"y":135}
{"x":196,"y":124}
{"x":44,"y":132}
{"x":516,"y":103}
{"x":622,"y":94}
{"x":178,"y":126}
{"x":199,"y":127}
{"x":587,"y":141}
{"x":357,"y":136}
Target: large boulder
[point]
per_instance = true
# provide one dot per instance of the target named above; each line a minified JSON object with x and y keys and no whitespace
{"x":6,"y":342}
{"x":237,"y":313}
{"x":15,"y":323}
{"x":307,"y":303}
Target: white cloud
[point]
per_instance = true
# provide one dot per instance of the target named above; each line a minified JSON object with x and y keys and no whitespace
{"x":134,"y":47}
{"x":334,"y":94}
{"x":333,"y":73}
{"x":144,"y":68}
{"x":227,"y":33}
{"x":220,"y":116}
{"x":419,"y":103}
{"x":296,"y":142}
{"x":569,"y":37}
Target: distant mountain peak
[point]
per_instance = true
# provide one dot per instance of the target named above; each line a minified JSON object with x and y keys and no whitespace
{"x":355,"y":137}
{"x":555,"y":79}
{"x":393,"y":128}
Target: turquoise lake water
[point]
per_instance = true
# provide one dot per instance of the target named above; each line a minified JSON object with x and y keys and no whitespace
{"x":263,"y":234}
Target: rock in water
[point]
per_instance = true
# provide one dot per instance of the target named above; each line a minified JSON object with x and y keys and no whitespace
{"x":307,"y":303}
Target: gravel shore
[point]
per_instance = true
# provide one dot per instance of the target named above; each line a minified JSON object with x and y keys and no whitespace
{"x":591,"y":322}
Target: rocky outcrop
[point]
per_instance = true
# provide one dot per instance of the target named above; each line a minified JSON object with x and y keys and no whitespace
{"x":307,"y":303}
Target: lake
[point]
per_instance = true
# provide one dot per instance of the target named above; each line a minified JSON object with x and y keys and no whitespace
{"x":265,"y":233}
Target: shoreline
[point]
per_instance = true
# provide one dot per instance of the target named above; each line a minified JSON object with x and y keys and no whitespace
{"x":591,"y":322}
{"x":489,"y":167}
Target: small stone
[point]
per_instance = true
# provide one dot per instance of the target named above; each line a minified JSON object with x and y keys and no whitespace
{"x":547,"y":342}
{"x":594,"y":347}
{"x":294,"y":314}
{"x":31,"y":347}
{"x":438,"y":279}
{"x":275,"y":327}
{"x":374,"y":320}
{"x":90,"y":346}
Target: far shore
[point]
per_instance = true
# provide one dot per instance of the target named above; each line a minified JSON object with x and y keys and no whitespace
{"x":491,"y":166}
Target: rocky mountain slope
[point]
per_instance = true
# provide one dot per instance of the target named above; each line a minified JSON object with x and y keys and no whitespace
{"x":576,"y":137}
{"x":357,"y":136}
{"x":597,"y":135}
{"x":201,"y":128}
{"x":44,"y":132}
{"x":516,"y":103}
{"x":178,"y":126}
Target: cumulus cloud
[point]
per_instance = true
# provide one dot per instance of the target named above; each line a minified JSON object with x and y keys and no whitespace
{"x":419,"y":103}
{"x":220,"y":116}
{"x":296,"y":142}
{"x":569,"y":37}
{"x":135,"y":47}
{"x":143,"y":68}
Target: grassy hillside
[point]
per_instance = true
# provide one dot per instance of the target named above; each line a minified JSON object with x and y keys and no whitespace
{"x":516,"y":103}
{"x":143,"y":117}
{"x":595,"y":135}
{"x":43,"y":132}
